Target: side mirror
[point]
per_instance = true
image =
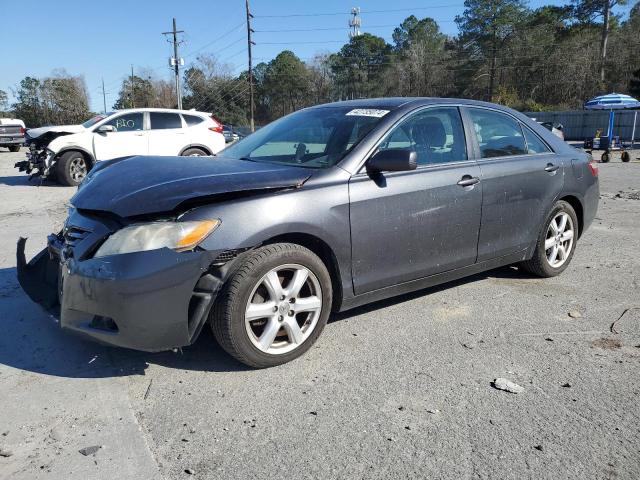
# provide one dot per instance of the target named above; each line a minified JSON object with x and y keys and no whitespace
{"x":393,"y":160}
{"x":105,"y":129}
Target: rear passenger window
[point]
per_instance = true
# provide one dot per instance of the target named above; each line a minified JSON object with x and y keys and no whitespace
{"x":436,"y":134}
{"x":534,"y":144}
{"x":192,"y":119}
{"x":498,"y":134}
{"x":164,"y":120}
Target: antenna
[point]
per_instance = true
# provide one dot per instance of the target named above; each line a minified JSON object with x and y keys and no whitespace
{"x":354,"y":22}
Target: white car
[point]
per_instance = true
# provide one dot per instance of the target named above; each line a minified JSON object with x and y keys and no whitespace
{"x":68,"y":152}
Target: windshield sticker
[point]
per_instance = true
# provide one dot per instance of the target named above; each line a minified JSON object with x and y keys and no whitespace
{"x":368,"y":112}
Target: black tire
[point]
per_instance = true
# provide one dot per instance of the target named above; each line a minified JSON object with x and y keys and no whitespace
{"x":625,"y":157}
{"x":194,"y":152}
{"x":71,"y":168}
{"x":228,"y":315}
{"x":14,"y":148}
{"x":605,"y":157}
{"x":538,"y":264}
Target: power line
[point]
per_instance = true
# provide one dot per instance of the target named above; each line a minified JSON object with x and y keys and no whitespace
{"x":325,"y":14}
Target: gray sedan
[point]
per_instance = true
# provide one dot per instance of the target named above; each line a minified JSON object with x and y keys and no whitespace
{"x":321,"y":211}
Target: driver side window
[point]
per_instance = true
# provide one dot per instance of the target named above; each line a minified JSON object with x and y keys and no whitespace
{"x":436,"y":135}
{"x":129,"y":122}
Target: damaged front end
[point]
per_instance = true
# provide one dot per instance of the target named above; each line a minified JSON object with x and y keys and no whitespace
{"x":40,"y":160}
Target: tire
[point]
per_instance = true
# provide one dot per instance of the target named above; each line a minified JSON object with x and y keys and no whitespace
{"x":604,"y":158}
{"x":71,"y":168}
{"x":247,"y":286}
{"x":625,"y":157}
{"x":194,"y":152}
{"x":540,"y":264}
{"x":14,"y":148}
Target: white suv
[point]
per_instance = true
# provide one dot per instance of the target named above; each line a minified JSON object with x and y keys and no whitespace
{"x":69,"y":152}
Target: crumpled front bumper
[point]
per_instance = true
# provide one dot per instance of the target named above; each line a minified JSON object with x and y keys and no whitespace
{"x":150,"y":301}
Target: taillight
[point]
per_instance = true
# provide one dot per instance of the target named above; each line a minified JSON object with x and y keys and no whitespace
{"x":218,"y":126}
{"x":593,"y":168}
{"x":22,"y":131}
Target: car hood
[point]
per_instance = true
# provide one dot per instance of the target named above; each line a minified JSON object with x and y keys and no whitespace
{"x":36,"y":132}
{"x":134,"y":186}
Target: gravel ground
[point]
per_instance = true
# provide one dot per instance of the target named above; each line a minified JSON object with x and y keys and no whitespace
{"x":398,"y":389}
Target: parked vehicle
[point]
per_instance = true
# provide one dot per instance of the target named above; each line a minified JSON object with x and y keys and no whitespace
{"x":556,"y":129}
{"x":11,"y":133}
{"x":69,"y":152}
{"x":323,"y":210}
{"x":229,"y":134}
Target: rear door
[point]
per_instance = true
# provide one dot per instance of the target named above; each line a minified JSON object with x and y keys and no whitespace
{"x":128,"y":137}
{"x":521,"y":178}
{"x":167,"y":135}
{"x":409,"y":225}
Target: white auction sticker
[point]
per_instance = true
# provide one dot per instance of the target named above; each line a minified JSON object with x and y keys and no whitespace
{"x":368,"y":112}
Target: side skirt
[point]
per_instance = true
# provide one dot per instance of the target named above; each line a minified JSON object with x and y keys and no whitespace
{"x":431,"y":281}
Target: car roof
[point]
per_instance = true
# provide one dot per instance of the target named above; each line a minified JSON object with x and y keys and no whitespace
{"x":392,"y":103}
{"x":168,"y":110}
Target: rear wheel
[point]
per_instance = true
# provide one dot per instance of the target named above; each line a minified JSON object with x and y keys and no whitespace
{"x":625,"y":157}
{"x":274,"y":306}
{"x":14,"y":148}
{"x":71,"y":168}
{"x":605,"y":157}
{"x":194,"y":152}
{"x":556,"y":242}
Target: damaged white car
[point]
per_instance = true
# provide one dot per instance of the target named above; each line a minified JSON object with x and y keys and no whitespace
{"x":67,"y":153}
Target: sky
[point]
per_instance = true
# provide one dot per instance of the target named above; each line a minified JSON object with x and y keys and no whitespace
{"x":101,"y":40}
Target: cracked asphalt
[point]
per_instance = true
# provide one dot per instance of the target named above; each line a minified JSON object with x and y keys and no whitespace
{"x":398,"y":389}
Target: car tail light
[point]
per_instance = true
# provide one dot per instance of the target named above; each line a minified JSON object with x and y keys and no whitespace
{"x":22,"y":131}
{"x":593,"y":168}
{"x":218,"y":126}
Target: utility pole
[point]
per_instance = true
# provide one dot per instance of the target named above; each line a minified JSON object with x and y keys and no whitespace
{"x":249,"y":44}
{"x":104,"y":96}
{"x":133,"y":91}
{"x":355,"y":23}
{"x":176,"y":61}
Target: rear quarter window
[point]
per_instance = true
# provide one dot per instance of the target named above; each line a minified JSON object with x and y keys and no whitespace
{"x":192,"y":119}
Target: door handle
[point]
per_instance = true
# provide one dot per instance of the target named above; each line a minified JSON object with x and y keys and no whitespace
{"x":551,"y":167}
{"x":139,"y":134}
{"x":468,"y":180}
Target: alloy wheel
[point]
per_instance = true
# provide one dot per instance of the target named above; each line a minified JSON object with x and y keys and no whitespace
{"x":559,"y":239}
{"x":78,"y":169}
{"x":283,"y":309}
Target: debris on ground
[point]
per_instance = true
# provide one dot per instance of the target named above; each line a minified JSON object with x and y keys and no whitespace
{"x":146,"y":393}
{"x":575,"y":314}
{"x":433,"y":412}
{"x":189,"y":471}
{"x":507,"y":386}
{"x":92,"y":450}
{"x":539,"y":448}
{"x":5,"y":453}
{"x":566,"y":385}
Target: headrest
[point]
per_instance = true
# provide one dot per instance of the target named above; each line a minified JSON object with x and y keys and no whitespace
{"x":429,"y":133}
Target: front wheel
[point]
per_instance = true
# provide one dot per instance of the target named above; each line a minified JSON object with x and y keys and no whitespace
{"x":274,"y":306}
{"x":71,"y":168}
{"x":14,"y":148}
{"x":625,"y":157}
{"x":556,"y":243}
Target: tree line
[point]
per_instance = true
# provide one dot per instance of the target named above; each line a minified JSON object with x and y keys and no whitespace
{"x":549,"y":58}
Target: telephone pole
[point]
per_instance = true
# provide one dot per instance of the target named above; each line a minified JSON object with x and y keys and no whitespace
{"x":133,"y":91}
{"x":176,"y":61}
{"x":104,"y":96}
{"x":249,"y":44}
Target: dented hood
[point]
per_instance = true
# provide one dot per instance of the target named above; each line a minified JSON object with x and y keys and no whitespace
{"x":142,"y":185}
{"x":37,"y":132}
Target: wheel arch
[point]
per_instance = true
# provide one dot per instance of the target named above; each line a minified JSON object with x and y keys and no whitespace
{"x":199,"y":146}
{"x":579,"y":209}
{"x":323,"y":251}
{"x":87,"y":155}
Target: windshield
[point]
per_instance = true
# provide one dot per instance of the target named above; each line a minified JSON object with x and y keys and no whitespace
{"x":94,"y":120}
{"x":314,"y":138}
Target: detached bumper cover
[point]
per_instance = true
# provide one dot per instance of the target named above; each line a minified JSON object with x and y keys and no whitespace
{"x":151,"y":301}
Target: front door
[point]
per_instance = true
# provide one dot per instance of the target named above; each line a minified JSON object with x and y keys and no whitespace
{"x":521,"y":178}
{"x":409,"y":225}
{"x":128,"y":138}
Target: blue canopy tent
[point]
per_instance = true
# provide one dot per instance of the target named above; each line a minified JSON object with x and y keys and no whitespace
{"x":611,"y":102}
